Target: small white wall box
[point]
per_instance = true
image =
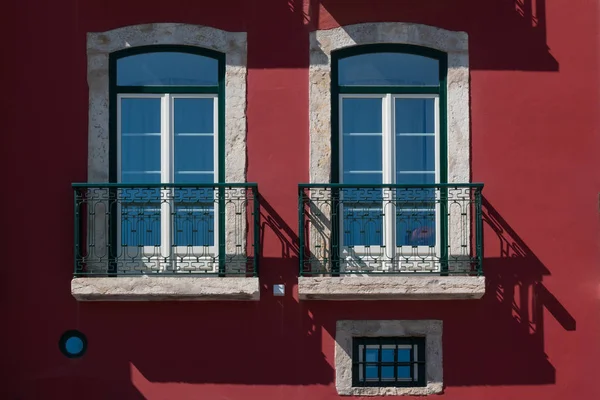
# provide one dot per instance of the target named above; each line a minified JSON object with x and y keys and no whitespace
{"x":278,"y":290}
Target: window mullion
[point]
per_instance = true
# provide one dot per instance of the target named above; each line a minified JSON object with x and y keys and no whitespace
{"x":389,"y":169}
{"x":165,"y":175}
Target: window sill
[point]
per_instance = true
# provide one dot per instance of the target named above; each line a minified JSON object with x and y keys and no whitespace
{"x":391,"y":288}
{"x":157,"y":288}
{"x":431,"y":388}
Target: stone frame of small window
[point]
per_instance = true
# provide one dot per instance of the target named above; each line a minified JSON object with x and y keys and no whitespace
{"x":430,"y":329}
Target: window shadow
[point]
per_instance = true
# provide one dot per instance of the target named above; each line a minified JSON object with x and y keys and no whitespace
{"x":497,"y":340}
{"x":503,"y":34}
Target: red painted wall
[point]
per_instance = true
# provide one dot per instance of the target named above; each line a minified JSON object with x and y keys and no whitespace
{"x":535,"y":106}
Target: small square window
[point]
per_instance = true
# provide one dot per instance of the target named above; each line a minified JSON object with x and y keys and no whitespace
{"x":388,"y":361}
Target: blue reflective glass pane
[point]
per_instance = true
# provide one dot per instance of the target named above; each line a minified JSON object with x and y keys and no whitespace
{"x":194,"y":140}
{"x":167,"y":69}
{"x":387,"y":373}
{"x":362,"y":154}
{"x":405,"y":177}
{"x":387,"y":355}
{"x":403,"y":355}
{"x":404,"y":372}
{"x":193,"y":115}
{"x":362,"y":178}
{"x":140,"y":115}
{"x":415,"y":153}
{"x":363,"y":224}
{"x":372,"y":355}
{"x":361,"y":115}
{"x":371,"y":372}
{"x":362,"y":216}
{"x":140,"y":224}
{"x":140,"y":177}
{"x":194,"y":225}
{"x":415,"y":227}
{"x":414,"y":115}
{"x":74,"y":345}
{"x":362,"y":140}
{"x":383,"y":69}
{"x":140,"y":155}
{"x":140,"y":140}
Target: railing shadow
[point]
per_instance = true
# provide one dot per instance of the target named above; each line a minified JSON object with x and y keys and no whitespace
{"x":506,"y":339}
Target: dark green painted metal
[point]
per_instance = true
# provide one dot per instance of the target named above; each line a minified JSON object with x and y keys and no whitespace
{"x":389,"y":185}
{"x":335,"y":118}
{"x":443,"y":60}
{"x":387,"y":48}
{"x":335,"y":234}
{"x":479,"y":233}
{"x":337,"y":89}
{"x":256,"y":223}
{"x":163,"y":185}
{"x":110,"y":195}
{"x":165,"y":48}
{"x":417,"y":360}
{"x":318,"y":201}
{"x":221,"y":151}
{"x":77,"y":233}
{"x":301,"y":231}
{"x":114,"y":90}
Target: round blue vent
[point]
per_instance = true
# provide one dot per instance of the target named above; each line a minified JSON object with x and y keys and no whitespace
{"x":73,"y":344}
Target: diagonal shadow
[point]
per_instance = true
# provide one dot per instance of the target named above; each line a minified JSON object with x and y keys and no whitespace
{"x":503,"y":34}
{"x":509,"y":328}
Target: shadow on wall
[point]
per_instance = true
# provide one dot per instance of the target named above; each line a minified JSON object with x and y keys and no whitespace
{"x":503,"y":34}
{"x":498,"y":340}
{"x":247,"y":343}
{"x":149,"y":350}
{"x":195,"y":349}
{"x":506,"y":342}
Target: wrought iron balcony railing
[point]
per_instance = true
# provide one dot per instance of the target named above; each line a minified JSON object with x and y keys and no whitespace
{"x":167,"y":229}
{"x":390,"y":229}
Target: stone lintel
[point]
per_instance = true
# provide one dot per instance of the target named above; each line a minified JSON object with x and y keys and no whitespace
{"x":157,"y":288}
{"x":418,"y":287}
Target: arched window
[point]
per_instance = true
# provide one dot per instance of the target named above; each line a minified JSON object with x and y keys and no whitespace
{"x":388,"y":126}
{"x":167,"y":130}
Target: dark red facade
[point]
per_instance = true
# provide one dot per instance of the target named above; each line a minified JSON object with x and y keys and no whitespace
{"x":535,"y":135}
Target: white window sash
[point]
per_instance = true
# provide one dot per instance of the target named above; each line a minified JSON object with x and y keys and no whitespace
{"x":166,"y":257}
{"x":390,"y":256}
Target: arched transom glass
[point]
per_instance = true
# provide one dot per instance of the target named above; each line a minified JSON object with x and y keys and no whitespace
{"x":390,"y":135}
{"x":167,"y":132}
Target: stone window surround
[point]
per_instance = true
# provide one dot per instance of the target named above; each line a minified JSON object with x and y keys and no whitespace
{"x":430,"y":329}
{"x":99,"y":47}
{"x":455,"y":44}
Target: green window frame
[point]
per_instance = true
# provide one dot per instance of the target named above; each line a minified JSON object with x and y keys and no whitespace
{"x":219,"y":90}
{"x":440,"y":90}
{"x":115,"y":90}
{"x":372,"y":365}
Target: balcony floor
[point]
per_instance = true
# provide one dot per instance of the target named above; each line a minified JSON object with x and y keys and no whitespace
{"x":419,"y":287}
{"x":159,"y":288}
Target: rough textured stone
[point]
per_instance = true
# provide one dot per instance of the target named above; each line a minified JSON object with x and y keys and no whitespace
{"x":232,"y":44}
{"x":430,"y":329}
{"x":371,"y":287}
{"x":156,"y":288}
